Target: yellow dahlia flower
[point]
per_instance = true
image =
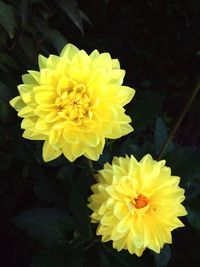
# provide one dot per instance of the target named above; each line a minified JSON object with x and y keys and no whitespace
{"x":136,"y":204}
{"x":73,"y":103}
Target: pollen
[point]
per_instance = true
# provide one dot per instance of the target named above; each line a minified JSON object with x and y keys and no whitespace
{"x":141,"y":202}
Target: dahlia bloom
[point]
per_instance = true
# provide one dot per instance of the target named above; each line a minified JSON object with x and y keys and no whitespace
{"x":136,"y":204}
{"x":73,"y":103}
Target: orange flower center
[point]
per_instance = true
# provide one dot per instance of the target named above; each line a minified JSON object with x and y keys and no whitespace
{"x":141,"y":202}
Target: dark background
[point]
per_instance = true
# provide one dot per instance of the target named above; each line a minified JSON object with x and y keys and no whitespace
{"x":158,"y":44}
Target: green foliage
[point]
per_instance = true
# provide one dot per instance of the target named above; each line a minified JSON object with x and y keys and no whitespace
{"x":7,"y":18}
{"x":44,"y":224}
{"x":185,"y":162}
{"x":194,"y":214}
{"x":144,"y":109}
{"x":164,"y":257}
{"x":160,"y":137}
{"x":44,"y":215}
{"x":70,"y":8}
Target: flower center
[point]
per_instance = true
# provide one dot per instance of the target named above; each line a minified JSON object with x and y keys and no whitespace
{"x":141,"y":202}
{"x":73,"y":102}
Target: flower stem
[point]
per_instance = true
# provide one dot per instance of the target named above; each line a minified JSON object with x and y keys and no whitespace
{"x":91,"y":169}
{"x":179,"y":120}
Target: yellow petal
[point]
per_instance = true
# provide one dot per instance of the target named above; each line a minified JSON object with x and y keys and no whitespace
{"x":26,"y":112}
{"x":44,"y":98}
{"x":94,"y":153}
{"x":33,"y":135}
{"x":120,"y":94}
{"x":74,"y":137}
{"x":17,"y":103}
{"x":69,"y":51}
{"x":35,"y":75}
{"x":72,"y":151}
{"x":28,"y":122}
{"x":49,"y":153}
{"x":42,"y":62}
{"x":91,"y":139}
{"x":28,"y":79}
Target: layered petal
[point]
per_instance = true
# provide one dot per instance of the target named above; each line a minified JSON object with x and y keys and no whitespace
{"x":74,"y":102}
{"x":136,"y":204}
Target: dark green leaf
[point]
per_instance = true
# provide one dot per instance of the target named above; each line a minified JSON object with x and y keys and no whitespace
{"x":163,"y":257}
{"x":85,"y":17}
{"x":3,"y":110}
{"x":144,"y":109}
{"x":4,"y":36}
{"x":193,"y":216}
{"x":128,"y":147}
{"x":54,"y":36}
{"x":59,"y":256}
{"x":185,"y":162}
{"x":24,"y":11}
{"x":5,"y":93}
{"x":43,"y":224}
{"x":124,"y":259}
{"x":71,"y":9}
{"x":65,"y":173}
{"x":48,"y":191}
{"x":5,"y":159}
{"x":193,"y":189}
{"x":76,"y":257}
{"x":160,"y":136}
{"x":7,"y":18}
{"x":78,"y":203}
{"x":51,"y":257}
{"x":7,"y":61}
{"x":103,"y":259}
{"x":27,"y":45}
{"x":58,"y":40}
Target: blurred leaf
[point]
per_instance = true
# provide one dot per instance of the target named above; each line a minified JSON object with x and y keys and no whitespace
{"x":123,"y":258}
{"x":54,"y":36}
{"x":51,"y":257}
{"x":5,"y":159}
{"x":28,"y":46}
{"x":85,"y":17}
{"x":128,"y":147}
{"x":78,"y":203}
{"x":198,"y":53}
{"x":24,"y":10}
{"x":60,"y":256}
{"x":48,"y":191}
{"x":58,"y":40}
{"x":160,"y":136}
{"x":43,"y":224}
{"x":103,"y":259}
{"x":105,"y":157}
{"x":4,"y":37}
{"x":36,"y":1}
{"x":71,"y":9}
{"x":193,"y":189}
{"x":185,"y":162}
{"x":76,"y":257}
{"x":3,"y":110}
{"x":66,"y":172}
{"x":5,"y":93}
{"x":144,"y":109}
{"x":193,"y":216}
{"x":7,"y":18}
{"x":163,"y":257}
{"x":7,"y":61}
